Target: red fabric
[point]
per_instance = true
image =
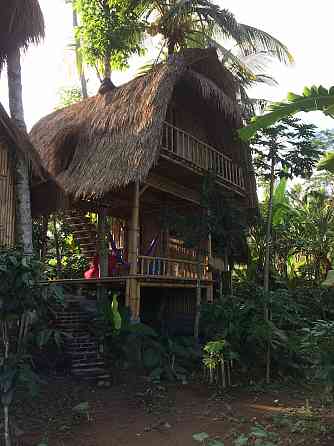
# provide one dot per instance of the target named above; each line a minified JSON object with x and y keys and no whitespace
{"x":94,"y":271}
{"x":112,"y":263}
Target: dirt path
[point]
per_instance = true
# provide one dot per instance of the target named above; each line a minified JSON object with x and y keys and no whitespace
{"x":144,"y":415}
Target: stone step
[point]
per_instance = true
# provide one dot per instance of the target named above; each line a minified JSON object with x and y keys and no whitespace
{"x":92,"y":373}
{"x":85,"y":354}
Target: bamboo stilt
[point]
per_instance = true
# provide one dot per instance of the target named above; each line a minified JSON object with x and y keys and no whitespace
{"x":103,"y":242}
{"x":132,"y":286}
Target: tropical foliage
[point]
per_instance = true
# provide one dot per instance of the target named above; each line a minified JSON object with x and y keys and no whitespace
{"x":109,"y":32}
{"x":312,"y":99}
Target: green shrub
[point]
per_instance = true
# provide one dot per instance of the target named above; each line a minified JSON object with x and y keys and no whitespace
{"x":318,"y":344}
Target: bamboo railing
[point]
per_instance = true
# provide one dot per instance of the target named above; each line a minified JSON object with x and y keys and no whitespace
{"x":200,"y":155}
{"x":170,"y":268}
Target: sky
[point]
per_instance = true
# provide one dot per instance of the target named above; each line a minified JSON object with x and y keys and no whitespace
{"x":304,"y":26}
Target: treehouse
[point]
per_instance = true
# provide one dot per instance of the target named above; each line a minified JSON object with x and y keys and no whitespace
{"x":13,"y":143}
{"x":131,"y":152}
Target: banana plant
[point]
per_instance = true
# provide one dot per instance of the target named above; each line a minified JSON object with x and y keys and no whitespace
{"x":313,"y":99}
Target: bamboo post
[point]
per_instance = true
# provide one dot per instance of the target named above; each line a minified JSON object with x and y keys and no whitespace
{"x":132,"y":286}
{"x":210,"y":287}
{"x":102,"y":250}
{"x":7,"y":199}
{"x":103,"y":242}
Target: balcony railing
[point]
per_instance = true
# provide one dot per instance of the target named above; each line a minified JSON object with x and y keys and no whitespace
{"x":170,"y":268}
{"x":200,"y":155}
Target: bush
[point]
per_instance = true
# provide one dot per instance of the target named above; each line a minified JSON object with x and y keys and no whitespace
{"x":318,"y":344}
{"x":239,"y":320}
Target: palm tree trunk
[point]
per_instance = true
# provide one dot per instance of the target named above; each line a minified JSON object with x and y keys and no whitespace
{"x":267,"y":261}
{"x":81,"y":71}
{"x":22,"y":182}
{"x":107,"y":67}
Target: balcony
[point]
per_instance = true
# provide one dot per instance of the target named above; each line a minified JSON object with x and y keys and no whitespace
{"x":187,"y":149}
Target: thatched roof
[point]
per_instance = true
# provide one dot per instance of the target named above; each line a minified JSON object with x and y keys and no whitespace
{"x":112,"y":139}
{"x":18,"y":141}
{"x":21,"y":23}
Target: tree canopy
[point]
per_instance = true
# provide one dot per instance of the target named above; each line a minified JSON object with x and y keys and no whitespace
{"x":110,"y":31}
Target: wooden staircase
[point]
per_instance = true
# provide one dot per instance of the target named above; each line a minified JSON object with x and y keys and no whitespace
{"x":81,"y":347}
{"x":84,"y":232}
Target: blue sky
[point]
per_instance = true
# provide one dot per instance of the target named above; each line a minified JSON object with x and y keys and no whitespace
{"x":305,"y":29}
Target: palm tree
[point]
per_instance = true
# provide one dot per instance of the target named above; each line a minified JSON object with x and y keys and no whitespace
{"x":77,"y":49}
{"x":184,"y":23}
{"x":202,"y":23}
{"x":21,"y":23}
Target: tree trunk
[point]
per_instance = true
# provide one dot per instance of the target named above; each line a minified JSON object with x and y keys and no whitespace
{"x":57,"y":248}
{"x":107,"y":66}
{"x":44,"y":248}
{"x":81,"y":71}
{"x":22,"y":183}
{"x":171,"y":47}
{"x":267,"y":261}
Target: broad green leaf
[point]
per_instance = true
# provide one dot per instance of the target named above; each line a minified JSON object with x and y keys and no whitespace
{"x":200,"y":437}
{"x":216,"y":443}
{"x":241,"y":441}
{"x":259,"y":432}
{"x":81,"y":407}
{"x":314,"y":99}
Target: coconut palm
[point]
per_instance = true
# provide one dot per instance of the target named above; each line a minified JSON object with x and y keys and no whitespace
{"x":202,"y":23}
{"x":21,"y":23}
{"x":184,"y":23}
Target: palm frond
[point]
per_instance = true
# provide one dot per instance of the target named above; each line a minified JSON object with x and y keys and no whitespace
{"x":256,"y":39}
{"x":21,"y":23}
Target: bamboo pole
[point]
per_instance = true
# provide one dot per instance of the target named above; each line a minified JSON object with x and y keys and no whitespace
{"x":267,"y":262}
{"x":210,"y":287}
{"x":132,"y":291}
{"x":103,"y":242}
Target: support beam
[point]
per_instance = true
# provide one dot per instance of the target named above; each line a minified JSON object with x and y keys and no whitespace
{"x":209,"y":294}
{"x":103,"y":242}
{"x":132,"y":286}
{"x":165,"y":185}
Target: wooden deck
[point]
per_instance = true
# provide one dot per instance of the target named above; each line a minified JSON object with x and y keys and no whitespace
{"x":149,"y":280}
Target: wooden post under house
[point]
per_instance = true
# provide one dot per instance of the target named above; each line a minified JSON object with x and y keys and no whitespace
{"x":7,"y":200}
{"x":103,"y":242}
{"x":209,"y":295}
{"x":132,"y":285}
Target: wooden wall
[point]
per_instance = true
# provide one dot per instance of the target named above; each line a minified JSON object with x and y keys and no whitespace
{"x":191,"y":113}
{"x":7,"y":199}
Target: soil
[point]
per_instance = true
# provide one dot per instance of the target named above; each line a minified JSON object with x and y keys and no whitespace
{"x":138,"y":413}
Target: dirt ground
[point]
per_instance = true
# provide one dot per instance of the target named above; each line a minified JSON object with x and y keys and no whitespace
{"x":142,"y":414}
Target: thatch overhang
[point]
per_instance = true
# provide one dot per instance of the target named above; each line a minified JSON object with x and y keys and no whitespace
{"x":21,"y":23}
{"x":110,"y":140}
{"x":17,"y":141}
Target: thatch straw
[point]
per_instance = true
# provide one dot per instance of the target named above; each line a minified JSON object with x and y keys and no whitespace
{"x":17,"y":140}
{"x":110,"y":140}
{"x":21,"y":23}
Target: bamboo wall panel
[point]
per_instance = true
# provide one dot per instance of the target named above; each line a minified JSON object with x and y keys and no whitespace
{"x":7,"y":200}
